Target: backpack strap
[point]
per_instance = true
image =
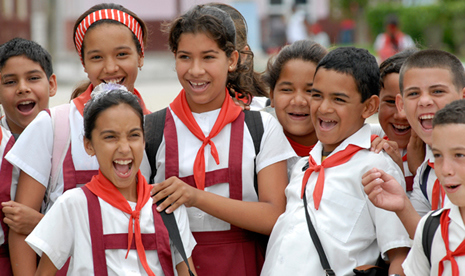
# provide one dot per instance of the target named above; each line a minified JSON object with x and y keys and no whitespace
{"x":253,"y":120}
{"x":429,"y":230}
{"x":61,"y":141}
{"x":154,"y":124}
{"x":424,"y":181}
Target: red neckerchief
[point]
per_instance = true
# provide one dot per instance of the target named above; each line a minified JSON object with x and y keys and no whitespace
{"x":336,"y":159}
{"x":228,"y":113}
{"x":103,"y":188}
{"x":82,"y":99}
{"x":460,"y":251}
{"x":438,"y":192}
{"x":300,"y":149}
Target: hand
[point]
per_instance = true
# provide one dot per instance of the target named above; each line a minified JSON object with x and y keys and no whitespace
{"x":391,"y":148}
{"x":20,"y":218}
{"x":176,"y":191}
{"x":416,"y":152}
{"x":383,"y":190}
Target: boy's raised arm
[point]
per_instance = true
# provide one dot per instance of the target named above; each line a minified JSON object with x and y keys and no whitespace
{"x":386,"y":193}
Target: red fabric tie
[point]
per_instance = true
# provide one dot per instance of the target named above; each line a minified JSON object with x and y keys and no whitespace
{"x":438,"y":193}
{"x":228,"y":113}
{"x":460,"y":251}
{"x":82,"y":99}
{"x":334,"y":160}
{"x":103,"y":188}
{"x":300,"y":149}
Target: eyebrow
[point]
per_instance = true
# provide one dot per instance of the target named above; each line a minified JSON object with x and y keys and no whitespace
{"x":117,"y":48}
{"x":290,"y":83}
{"x":204,"y":52}
{"x":35,"y":71}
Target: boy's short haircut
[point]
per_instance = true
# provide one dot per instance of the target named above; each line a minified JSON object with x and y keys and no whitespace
{"x":435,"y":59}
{"x":394,"y":63}
{"x":29,"y":49}
{"x":453,"y":113}
{"x":359,"y":64}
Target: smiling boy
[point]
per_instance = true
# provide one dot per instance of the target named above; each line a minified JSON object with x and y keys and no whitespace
{"x":352,"y":231}
{"x":448,"y":147}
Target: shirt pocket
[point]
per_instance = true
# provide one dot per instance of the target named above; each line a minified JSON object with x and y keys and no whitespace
{"x":339,"y":213}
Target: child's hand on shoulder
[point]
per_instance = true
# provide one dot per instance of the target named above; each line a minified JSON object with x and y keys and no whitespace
{"x":383,"y":190}
{"x":177,"y":193}
{"x":390,"y":147}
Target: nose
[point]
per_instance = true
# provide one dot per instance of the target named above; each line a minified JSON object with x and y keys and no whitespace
{"x":23,"y":87}
{"x":299,"y":99}
{"x":325,"y":106}
{"x":111,"y":66}
{"x":425,"y":99}
{"x":445,"y":167}
{"x":123,"y":146}
{"x":196,"y":68}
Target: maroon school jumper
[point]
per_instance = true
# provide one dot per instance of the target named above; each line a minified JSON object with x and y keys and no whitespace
{"x":6,"y":176}
{"x":152,"y":241}
{"x":230,"y":252}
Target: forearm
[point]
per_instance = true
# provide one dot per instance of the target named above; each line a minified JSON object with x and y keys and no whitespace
{"x":409,"y":218}
{"x":397,"y":257}
{"x":23,"y":258}
{"x":258,"y":217}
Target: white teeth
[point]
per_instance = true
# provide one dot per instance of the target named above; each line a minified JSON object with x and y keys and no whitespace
{"x":327,"y":121}
{"x":114,"y":81}
{"x":427,"y":117}
{"x":123,"y":162}
{"x":198,"y":83}
{"x":401,"y":126}
{"x":26,"y":102}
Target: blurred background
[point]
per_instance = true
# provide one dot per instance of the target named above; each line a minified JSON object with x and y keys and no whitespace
{"x":271,"y":24}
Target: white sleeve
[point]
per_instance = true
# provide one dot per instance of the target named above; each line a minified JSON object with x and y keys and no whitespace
{"x":187,"y":238}
{"x":379,"y":42}
{"x":419,"y":201}
{"x":54,"y":235}
{"x":274,"y":146}
{"x":32,"y":152}
{"x":377,"y":130}
{"x":416,"y":262}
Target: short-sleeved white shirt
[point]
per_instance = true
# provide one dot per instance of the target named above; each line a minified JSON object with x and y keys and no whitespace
{"x":352,"y":230}
{"x":64,"y":232}
{"x":422,"y":204}
{"x":274,"y":148}
{"x":417,"y":263}
{"x":32,"y":152}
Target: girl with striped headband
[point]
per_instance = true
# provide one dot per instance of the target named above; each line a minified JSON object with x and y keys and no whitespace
{"x":110,"y":41}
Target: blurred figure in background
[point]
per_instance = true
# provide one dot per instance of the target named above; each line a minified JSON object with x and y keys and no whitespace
{"x":297,"y":26}
{"x":393,"y":40}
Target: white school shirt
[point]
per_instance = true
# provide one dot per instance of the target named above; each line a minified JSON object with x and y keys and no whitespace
{"x":274,"y":148}
{"x":417,"y":263}
{"x":352,"y":230}
{"x":6,"y":135}
{"x":32,"y":152}
{"x":422,"y":204}
{"x":64,"y":232}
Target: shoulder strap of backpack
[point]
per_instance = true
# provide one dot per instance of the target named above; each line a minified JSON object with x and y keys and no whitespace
{"x":424,"y":181}
{"x":154,"y":124}
{"x":253,"y":120}
{"x":429,"y":229}
{"x":61,"y":140}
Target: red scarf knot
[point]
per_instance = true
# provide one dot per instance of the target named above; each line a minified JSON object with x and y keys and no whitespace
{"x":450,"y":256}
{"x":228,"y":113}
{"x":334,"y":160}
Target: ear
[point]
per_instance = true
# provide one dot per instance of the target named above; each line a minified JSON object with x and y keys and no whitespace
{"x":463,"y":93}
{"x":52,"y":83}
{"x":140,"y":62}
{"x":88,"y":146}
{"x":400,"y":103}
{"x":272,"y":98}
{"x":371,"y":106}
{"x":233,"y":61}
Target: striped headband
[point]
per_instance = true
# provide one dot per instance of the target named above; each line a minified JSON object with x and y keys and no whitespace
{"x":111,"y":14}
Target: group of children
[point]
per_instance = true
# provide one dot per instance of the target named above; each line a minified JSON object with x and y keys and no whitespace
{"x":243,"y":175}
